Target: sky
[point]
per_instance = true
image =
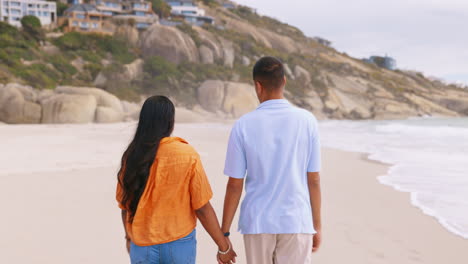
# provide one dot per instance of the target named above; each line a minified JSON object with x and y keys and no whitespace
{"x":430,"y":36}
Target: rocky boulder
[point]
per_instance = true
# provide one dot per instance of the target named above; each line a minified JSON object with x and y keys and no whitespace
{"x":211,"y":95}
{"x":170,"y":43}
{"x":239,"y":99}
{"x":103,"y":98}
{"x":206,"y":55}
{"x":113,"y":110}
{"x":127,"y":32}
{"x":69,"y":108}
{"x":15,"y":109}
{"x":302,"y":75}
{"x":227,"y":98}
{"x":133,"y":70}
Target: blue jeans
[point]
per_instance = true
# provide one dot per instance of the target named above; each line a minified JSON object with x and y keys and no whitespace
{"x":182,"y":251}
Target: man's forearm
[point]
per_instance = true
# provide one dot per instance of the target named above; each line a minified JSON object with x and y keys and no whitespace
{"x":231,"y":202}
{"x":315,"y":198}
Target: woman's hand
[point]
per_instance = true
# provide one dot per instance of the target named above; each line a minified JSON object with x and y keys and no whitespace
{"x":228,"y":258}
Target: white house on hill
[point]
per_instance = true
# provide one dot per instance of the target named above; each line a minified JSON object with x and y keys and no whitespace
{"x":11,"y":11}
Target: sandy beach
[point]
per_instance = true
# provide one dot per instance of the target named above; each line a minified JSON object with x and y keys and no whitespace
{"x":55,"y":212}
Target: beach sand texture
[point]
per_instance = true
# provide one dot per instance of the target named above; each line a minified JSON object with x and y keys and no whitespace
{"x":57,"y":189}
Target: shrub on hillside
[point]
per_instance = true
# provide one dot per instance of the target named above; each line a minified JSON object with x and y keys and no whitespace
{"x":161,"y":8}
{"x":33,"y":28}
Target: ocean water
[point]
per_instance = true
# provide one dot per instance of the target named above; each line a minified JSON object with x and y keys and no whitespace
{"x":428,"y":158}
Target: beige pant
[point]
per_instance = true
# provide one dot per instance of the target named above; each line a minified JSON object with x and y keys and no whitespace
{"x":279,"y":248}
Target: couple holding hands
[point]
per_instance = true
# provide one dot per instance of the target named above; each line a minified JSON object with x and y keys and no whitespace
{"x":274,"y":151}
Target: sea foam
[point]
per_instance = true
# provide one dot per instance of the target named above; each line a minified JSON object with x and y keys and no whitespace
{"x":428,"y":157}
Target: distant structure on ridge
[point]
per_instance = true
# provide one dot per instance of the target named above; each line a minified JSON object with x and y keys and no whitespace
{"x":386,"y":62}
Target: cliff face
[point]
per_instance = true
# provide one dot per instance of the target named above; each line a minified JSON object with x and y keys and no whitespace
{"x":210,"y":67}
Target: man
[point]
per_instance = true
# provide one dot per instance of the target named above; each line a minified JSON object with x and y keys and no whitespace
{"x":275,"y":149}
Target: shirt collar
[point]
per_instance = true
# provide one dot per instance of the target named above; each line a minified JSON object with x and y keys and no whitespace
{"x":172,"y":139}
{"x":275,"y":103}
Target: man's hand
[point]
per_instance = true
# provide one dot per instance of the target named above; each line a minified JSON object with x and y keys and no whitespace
{"x":317,"y":241}
{"x":128,"y":245}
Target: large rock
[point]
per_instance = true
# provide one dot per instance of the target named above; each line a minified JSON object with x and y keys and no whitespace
{"x":302,"y":75}
{"x":170,"y":43}
{"x":211,"y":95}
{"x":29,"y":93}
{"x":127,"y":32}
{"x":14,"y":109}
{"x":69,"y":108}
{"x":206,"y":55}
{"x":131,"y":110}
{"x":107,"y":115}
{"x":133,"y":70}
{"x":239,"y":99}
{"x":288,"y":72}
{"x":228,"y":53}
{"x":103,"y":98}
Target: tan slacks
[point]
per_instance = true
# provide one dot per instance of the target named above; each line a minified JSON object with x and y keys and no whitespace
{"x":278,"y":248}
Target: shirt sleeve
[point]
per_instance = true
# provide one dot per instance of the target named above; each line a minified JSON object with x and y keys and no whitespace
{"x":235,"y":165}
{"x":200,"y":189}
{"x":314,"y":162}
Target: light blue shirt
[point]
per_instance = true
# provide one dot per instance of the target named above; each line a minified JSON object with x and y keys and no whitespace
{"x":273,"y":148}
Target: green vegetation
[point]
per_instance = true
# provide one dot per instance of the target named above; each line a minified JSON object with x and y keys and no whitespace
{"x":161,"y":8}
{"x":268,"y":23}
{"x":32,"y":28}
{"x":211,"y":3}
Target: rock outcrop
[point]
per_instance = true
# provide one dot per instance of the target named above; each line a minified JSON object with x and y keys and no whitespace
{"x":69,"y":108}
{"x":231,"y":98}
{"x":18,"y":105}
{"x":170,"y":43}
{"x":21,"y":104}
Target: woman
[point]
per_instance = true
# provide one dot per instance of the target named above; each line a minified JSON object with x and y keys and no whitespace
{"x":162,"y":189}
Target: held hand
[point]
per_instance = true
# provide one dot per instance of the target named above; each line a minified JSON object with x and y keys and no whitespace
{"x":228,"y":258}
{"x":317,"y":241}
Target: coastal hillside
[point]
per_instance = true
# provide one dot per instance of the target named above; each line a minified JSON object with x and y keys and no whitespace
{"x":204,"y":68}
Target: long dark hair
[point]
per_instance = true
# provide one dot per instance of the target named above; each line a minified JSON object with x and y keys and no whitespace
{"x":156,"y":122}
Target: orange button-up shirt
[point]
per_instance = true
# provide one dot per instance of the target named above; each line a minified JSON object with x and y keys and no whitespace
{"x":176,"y":187}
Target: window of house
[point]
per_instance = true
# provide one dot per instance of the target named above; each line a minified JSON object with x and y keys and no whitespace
{"x":95,"y":25}
{"x":5,"y":11}
{"x":83,"y":24}
{"x":32,"y":13}
{"x":15,"y":4}
{"x":80,"y":16}
{"x":15,"y":12}
{"x":139,"y":13}
{"x":75,"y":23}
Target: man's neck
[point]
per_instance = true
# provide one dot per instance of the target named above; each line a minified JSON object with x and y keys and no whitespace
{"x":272,"y":97}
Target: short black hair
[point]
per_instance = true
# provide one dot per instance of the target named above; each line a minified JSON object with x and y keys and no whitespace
{"x":269,"y":71}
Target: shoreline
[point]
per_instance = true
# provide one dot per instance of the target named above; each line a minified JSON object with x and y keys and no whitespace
{"x":75,"y":209}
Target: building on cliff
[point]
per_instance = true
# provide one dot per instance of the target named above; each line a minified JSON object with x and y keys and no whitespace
{"x":96,"y":17}
{"x":11,"y":11}
{"x":84,"y":18}
{"x":189,"y":10}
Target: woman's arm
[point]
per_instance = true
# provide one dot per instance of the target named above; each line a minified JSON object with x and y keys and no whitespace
{"x":207,"y":217}
{"x":127,"y":238}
